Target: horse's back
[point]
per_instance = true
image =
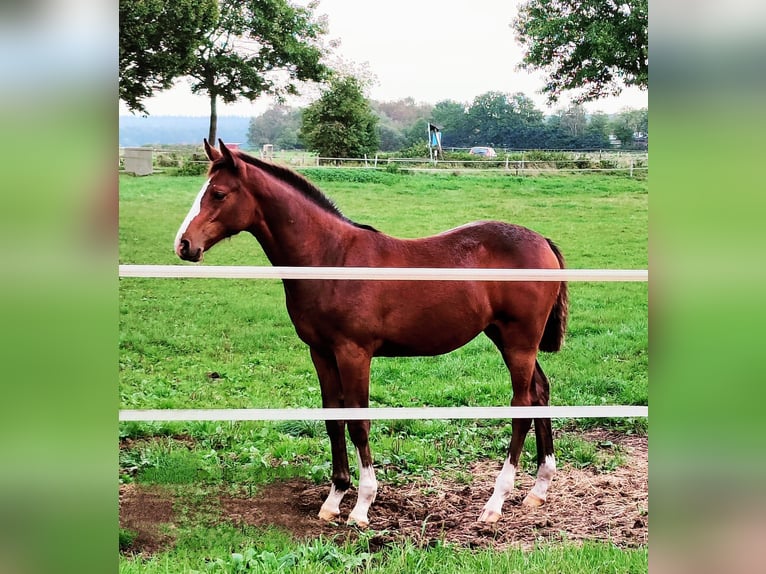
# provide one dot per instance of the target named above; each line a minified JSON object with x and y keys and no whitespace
{"x":488,"y":244}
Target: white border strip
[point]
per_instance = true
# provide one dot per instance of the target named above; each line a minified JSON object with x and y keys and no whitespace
{"x":385,"y":413}
{"x":382,"y":273}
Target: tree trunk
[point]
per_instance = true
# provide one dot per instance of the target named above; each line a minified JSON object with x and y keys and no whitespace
{"x":213,"y":121}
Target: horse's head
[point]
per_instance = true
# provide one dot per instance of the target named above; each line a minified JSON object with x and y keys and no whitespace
{"x":223,"y":206}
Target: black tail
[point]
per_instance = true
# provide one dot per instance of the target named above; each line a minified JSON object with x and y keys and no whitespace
{"x":556,"y":326}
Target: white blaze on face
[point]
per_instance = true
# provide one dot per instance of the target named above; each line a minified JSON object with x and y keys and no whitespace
{"x":193,"y":212}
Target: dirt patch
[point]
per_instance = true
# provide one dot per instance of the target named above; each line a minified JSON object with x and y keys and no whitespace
{"x":148,"y":512}
{"x":583,"y":504}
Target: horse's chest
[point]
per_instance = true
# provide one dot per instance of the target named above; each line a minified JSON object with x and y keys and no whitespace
{"x":320,"y":316}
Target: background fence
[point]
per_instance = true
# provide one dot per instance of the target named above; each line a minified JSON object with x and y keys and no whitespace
{"x":517,"y":162}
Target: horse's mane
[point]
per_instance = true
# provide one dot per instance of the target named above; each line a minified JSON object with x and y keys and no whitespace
{"x":297,"y":181}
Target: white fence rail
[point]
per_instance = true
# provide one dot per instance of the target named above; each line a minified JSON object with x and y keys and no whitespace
{"x":383,"y":413}
{"x":377,"y":273}
{"x":382,"y":273}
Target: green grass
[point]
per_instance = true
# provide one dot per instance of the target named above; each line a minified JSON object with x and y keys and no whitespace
{"x":248,"y":550}
{"x":174,"y":333}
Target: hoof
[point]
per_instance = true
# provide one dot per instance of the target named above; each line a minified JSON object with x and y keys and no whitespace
{"x":489,"y":516}
{"x":532,"y":501}
{"x":328,"y":515}
{"x":362,"y":523}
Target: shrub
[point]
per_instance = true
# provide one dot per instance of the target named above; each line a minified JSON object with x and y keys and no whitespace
{"x":351,"y":175}
{"x":193,"y":168}
{"x":582,"y":162}
{"x":419,"y":149}
{"x":167,"y":160}
{"x":393,"y":167}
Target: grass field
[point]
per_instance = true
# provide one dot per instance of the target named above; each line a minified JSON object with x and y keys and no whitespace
{"x":207,"y":343}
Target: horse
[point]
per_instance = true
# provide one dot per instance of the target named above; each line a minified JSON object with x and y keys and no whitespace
{"x":347,"y":323}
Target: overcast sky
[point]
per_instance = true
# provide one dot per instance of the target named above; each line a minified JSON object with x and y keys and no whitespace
{"x":430,"y":51}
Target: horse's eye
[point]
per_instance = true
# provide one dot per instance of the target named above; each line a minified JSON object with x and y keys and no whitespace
{"x":218,"y":195}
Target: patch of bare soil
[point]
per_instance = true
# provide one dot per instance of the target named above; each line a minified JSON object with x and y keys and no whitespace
{"x":148,"y":513}
{"x":583,"y":504}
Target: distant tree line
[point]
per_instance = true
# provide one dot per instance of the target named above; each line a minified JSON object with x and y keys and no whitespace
{"x":495,"y":119}
{"x":244,"y":49}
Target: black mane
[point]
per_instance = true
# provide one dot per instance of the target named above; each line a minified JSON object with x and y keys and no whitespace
{"x":297,"y":181}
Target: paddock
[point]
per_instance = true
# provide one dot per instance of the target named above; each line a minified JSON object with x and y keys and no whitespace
{"x":275,"y":416}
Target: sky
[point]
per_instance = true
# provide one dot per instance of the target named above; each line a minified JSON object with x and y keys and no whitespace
{"x":430,"y":51}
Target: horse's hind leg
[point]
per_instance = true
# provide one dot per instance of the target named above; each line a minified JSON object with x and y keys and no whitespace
{"x":546,"y":461}
{"x":519,"y":352}
{"x":504,"y":483}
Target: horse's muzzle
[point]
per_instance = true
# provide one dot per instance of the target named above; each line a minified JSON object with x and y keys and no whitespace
{"x":185,"y":251}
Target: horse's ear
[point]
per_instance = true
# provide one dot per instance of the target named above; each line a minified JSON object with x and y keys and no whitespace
{"x":212,"y":153}
{"x":231,"y":159}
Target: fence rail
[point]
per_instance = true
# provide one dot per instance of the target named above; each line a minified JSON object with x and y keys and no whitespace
{"x":383,"y":413}
{"x":381,"y":273}
{"x":377,"y":273}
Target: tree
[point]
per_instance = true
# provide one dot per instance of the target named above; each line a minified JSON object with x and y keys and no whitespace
{"x":628,"y":123}
{"x":391,"y":138}
{"x":504,"y":120}
{"x":574,"y":120}
{"x":341,"y":123}
{"x":593,"y":46}
{"x":488,"y":117}
{"x":526,"y":128}
{"x":451,"y":117}
{"x":258,"y":47}
{"x":404,"y":112}
{"x":398,"y":120}
{"x":278,"y":125}
{"x":158,"y":39}
{"x":597,"y":132}
{"x":416,"y":133}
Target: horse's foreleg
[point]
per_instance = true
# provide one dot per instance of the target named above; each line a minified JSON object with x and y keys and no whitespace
{"x":354,"y":368}
{"x":341,"y":478}
{"x":332,"y":397}
{"x":546,"y":461}
{"x":368,"y":484}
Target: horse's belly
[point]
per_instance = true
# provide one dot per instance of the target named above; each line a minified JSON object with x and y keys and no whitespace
{"x":412,"y":320}
{"x":421,"y":348}
{"x":428,"y":337}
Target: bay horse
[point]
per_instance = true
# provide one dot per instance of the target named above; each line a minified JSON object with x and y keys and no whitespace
{"x":346,"y":323}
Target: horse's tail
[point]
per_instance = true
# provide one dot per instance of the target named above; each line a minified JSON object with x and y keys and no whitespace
{"x":556,"y":326}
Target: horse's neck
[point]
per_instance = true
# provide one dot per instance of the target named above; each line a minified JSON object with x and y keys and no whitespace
{"x":294,"y":231}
